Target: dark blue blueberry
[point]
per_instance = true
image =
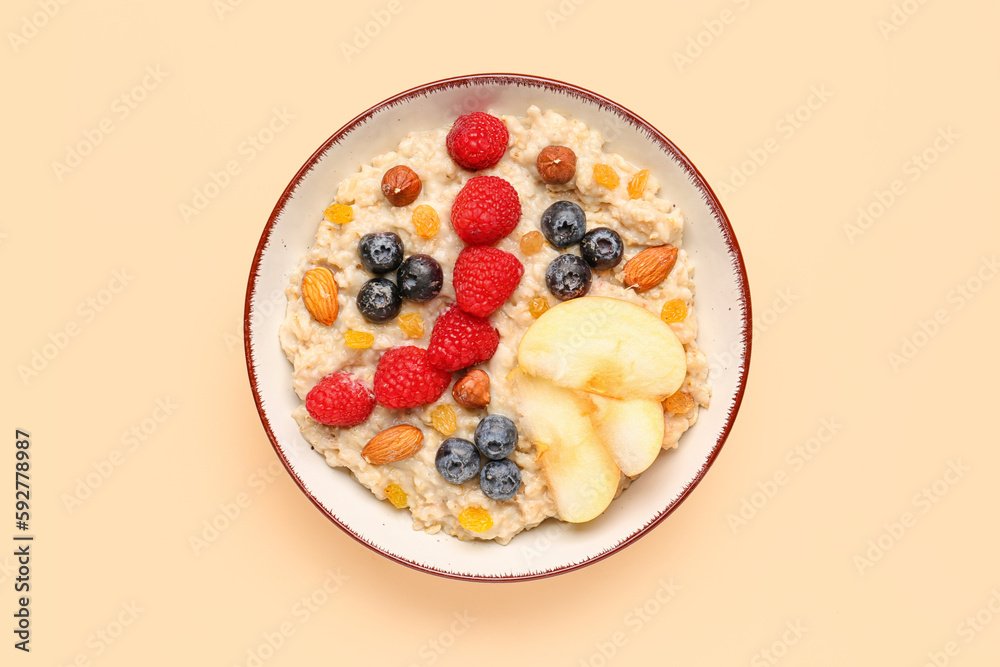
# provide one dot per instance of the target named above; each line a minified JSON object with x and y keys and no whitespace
{"x":602,"y":248}
{"x":568,"y":277}
{"x":382,"y":252}
{"x":496,"y":437}
{"x":379,"y":300}
{"x":564,"y":224}
{"x":419,"y":278}
{"x":500,"y":480}
{"x":457,"y":460}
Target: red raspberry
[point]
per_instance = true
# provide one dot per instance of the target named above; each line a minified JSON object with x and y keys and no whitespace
{"x":485,"y":210}
{"x":404,"y":379}
{"x":484,"y":278}
{"x":460,"y":340}
{"x":477,"y":141}
{"x":340,"y":399}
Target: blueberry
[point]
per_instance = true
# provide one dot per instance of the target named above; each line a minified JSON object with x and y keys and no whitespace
{"x":602,"y":248}
{"x":496,"y":437}
{"x":568,"y":277}
{"x":564,"y":224}
{"x":379,"y":300}
{"x":382,"y":252}
{"x":419,"y":278}
{"x":500,"y":480}
{"x":457,"y":460}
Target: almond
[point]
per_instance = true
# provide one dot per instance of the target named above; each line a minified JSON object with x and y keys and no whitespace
{"x":648,"y":269}
{"x":319,"y":292}
{"x":473,"y":390}
{"x":393,"y":444}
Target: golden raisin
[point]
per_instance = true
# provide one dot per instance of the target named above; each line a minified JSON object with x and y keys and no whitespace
{"x":637,"y":185}
{"x":358,"y":340}
{"x":679,"y":403}
{"x":444,"y":419}
{"x":412,"y":325}
{"x":339,"y":213}
{"x":606,"y":175}
{"x":475,"y":519}
{"x":532,"y":242}
{"x":537,"y":306}
{"x":426,"y":221}
{"x":396,"y":495}
{"x":674,"y":311}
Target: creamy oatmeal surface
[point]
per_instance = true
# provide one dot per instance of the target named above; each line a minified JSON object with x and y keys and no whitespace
{"x":316,"y":350}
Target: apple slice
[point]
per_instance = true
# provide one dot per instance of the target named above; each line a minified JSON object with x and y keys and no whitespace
{"x":582,"y":475}
{"x":605,"y":346}
{"x":632,"y":430}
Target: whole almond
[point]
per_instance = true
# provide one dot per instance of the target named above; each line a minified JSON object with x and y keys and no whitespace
{"x":648,"y":269}
{"x":473,"y":390}
{"x":319,"y":292}
{"x":393,"y":444}
{"x":401,"y":185}
{"x":556,"y":164}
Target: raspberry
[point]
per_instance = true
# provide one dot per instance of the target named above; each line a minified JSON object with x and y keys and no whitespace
{"x":340,"y":399}
{"x":477,"y":141}
{"x":484,"y":278}
{"x":405,"y":379}
{"x":460,"y":340}
{"x":485,"y":210}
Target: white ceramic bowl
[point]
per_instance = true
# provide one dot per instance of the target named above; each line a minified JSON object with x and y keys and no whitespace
{"x":723,"y":307}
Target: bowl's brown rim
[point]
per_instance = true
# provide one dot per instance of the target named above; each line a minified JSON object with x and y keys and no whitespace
{"x":628,"y":116}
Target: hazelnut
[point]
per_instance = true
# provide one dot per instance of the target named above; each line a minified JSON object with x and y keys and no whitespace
{"x":556,"y":164}
{"x":473,"y":390}
{"x":401,"y":185}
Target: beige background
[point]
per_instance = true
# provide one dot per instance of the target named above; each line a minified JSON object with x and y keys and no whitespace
{"x":833,"y":300}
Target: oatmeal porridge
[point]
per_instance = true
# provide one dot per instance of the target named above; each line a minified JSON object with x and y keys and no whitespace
{"x":495,"y":325}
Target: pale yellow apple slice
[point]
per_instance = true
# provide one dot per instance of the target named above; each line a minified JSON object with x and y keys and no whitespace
{"x":606,"y":346}
{"x":632,"y":430}
{"x":582,"y":475}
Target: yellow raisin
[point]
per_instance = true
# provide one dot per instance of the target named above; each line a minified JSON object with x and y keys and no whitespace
{"x":606,"y":175}
{"x":537,"y":306}
{"x":679,"y":403}
{"x":444,"y":419}
{"x":396,"y":495}
{"x":674,"y":311}
{"x":358,"y":340}
{"x":339,"y":213}
{"x":637,"y":185}
{"x":475,"y":519}
{"x":412,"y":325}
{"x":532,"y":242}
{"x":426,"y":221}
